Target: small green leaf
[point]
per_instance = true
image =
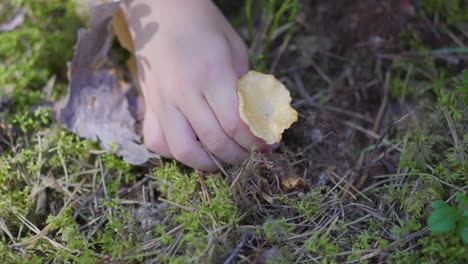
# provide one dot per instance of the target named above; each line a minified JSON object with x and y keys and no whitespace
{"x":461,"y":196}
{"x":465,"y":76}
{"x":462,"y":200}
{"x":443,"y":219}
{"x":463,"y":229}
{"x":438,"y":204}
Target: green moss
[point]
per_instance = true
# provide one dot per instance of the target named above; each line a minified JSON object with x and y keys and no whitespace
{"x":311,"y":204}
{"x":446,"y":248}
{"x":275,"y":231}
{"x":197,"y":241}
{"x":62,"y":154}
{"x":277,"y":14}
{"x":117,"y":239}
{"x":365,"y":240}
{"x":40,"y":47}
{"x":321,"y":245}
{"x":434,"y":162}
{"x":439,"y":249}
{"x":450,"y":11}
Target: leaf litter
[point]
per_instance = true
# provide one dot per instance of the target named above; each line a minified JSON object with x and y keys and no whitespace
{"x":16,"y":20}
{"x":101,"y":105}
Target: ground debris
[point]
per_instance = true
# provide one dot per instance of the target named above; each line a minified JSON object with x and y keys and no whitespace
{"x":373,"y":24}
{"x":15,"y":21}
{"x":293,"y":182}
{"x":99,"y":104}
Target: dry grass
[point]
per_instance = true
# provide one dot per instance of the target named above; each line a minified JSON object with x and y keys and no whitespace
{"x":351,"y":182}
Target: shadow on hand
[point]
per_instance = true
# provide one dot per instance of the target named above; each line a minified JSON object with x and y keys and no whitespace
{"x":144,"y":33}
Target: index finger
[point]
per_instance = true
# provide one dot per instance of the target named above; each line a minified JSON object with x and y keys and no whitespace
{"x":221,"y":95}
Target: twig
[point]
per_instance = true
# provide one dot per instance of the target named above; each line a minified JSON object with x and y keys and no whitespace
{"x":302,"y":90}
{"x":236,"y":251}
{"x":216,"y":161}
{"x":4,"y":227}
{"x":383,"y":106}
{"x":351,"y":186}
{"x":280,"y":52}
{"x":206,"y":194}
{"x":453,"y":131}
{"x":348,"y":113}
{"x":368,"y":209}
{"x":43,"y":233}
{"x":236,"y":179}
{"x":320,"y":72}
{"x":103,"y":178}
{"x":392,"y":245}
{"x":337,"y":185}
{"x":16,"y":21}
{"x":441,"y":181}
{"x":453,"y":37}
{"x":176,"y":205}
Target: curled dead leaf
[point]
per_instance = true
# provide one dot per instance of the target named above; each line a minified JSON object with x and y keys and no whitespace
{"x":293,"y":182}
{"x":99,"y":103}
{"x":122,"y":31}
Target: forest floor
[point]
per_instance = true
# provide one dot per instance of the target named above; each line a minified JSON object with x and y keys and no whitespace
{"x":375,"y":170}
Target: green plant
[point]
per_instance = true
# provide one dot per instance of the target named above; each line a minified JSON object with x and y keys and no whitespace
{"x":277,"y":14}
{"x":28,"y":122}
{"x":322,"y":246}
{"x":275,"y":231}
{"x":463,"y":87}
{"x":446,"y":218}
{"x":451,"y":11}
{"x":38,"y":48}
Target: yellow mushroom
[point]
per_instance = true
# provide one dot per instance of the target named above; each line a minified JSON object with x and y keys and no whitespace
{"x":264,"y":105}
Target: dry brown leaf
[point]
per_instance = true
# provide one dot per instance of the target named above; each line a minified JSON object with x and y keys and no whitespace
{"x":99,"y":104}
{"x":293,"y":182}
{"x":133,"y":68}
{"x":121,"y":30}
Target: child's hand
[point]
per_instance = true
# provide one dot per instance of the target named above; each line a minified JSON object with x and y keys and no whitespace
{"x":189,"y":61}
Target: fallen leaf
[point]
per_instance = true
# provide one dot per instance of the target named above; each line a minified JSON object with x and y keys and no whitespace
{"x":16,"y":21}
{"x":99,"y":104}
{"x":121,"y":30}
{"x":293,"y":182}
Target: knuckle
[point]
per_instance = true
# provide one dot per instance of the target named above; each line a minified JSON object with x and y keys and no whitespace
{"x":181,"y":89}
{"x":182,"y":154}
{"x":154,"y":143}
{"x":231,"y":128}
{"x":242,"y":50}
{"x":212,"y":61}
{"x":180,"y":82}
{"x":215,"y":143}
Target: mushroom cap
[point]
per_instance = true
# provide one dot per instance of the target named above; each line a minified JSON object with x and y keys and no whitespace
{"x":264,"y":105}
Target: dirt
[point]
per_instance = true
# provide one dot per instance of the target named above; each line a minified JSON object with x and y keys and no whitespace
{"x":353,"y":24}
{"x":336,"y":37}
{"x":335,"y":68}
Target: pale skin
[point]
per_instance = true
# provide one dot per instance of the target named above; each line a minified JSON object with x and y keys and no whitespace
{"x":188,"y":65}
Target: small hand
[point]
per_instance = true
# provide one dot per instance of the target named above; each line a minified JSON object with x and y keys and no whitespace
{"x":188,"y":72}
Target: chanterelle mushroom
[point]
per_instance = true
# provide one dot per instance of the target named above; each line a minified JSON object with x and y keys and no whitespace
{"x":264,"y":105}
